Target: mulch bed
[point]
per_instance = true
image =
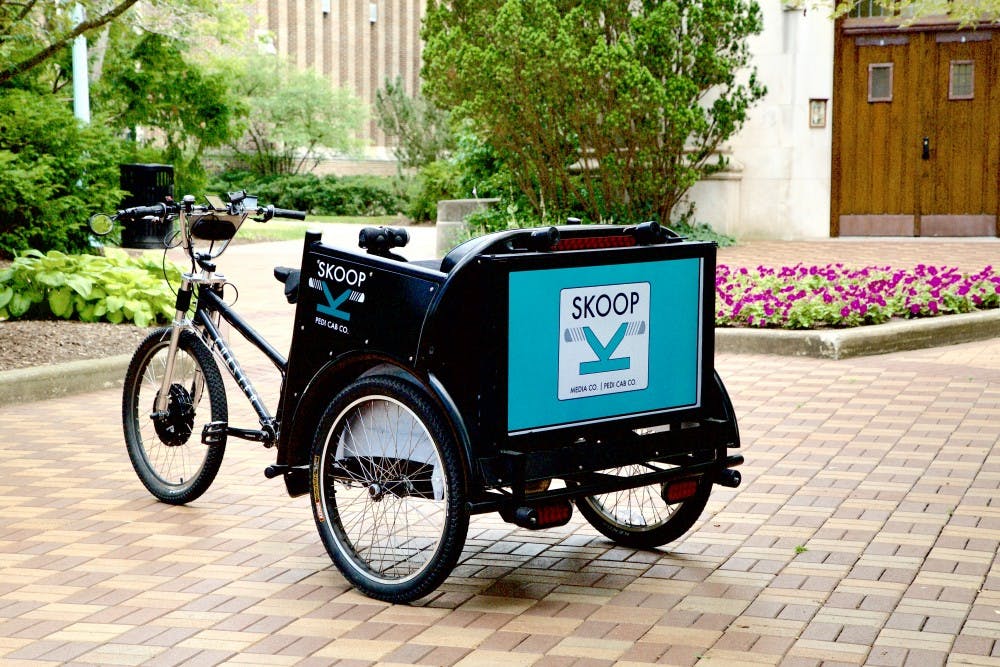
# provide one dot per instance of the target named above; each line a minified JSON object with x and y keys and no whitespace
{"x":28,"y":343}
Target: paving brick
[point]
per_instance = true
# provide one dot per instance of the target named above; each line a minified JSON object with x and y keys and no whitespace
{"x":884,"y":469}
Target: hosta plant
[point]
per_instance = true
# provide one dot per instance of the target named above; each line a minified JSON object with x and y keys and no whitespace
{"x":809,"y":297}
{"x":114,"y":287}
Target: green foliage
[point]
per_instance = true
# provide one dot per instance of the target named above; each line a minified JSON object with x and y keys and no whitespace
{"x":295,"y":117}
{"x":419,"y":129}
{"x":435,"y":181}
{"x":114,"y":288}
{"x":54,"y":173}
{"x":37,"y":35}
{"x":151,"y":84}
{"x":326,"y":195}
{"x":642,"y":96}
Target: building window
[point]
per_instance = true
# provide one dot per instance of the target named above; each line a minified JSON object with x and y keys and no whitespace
{"x":961,"y":85}
{"x":867,"y":8}
{"x":880,"y":82}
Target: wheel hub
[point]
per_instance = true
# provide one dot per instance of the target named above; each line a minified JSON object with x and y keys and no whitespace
{"x":174,"y":427}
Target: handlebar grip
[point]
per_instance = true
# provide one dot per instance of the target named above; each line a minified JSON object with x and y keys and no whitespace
{"x":289,"y":214}
{"x":157,"y":210}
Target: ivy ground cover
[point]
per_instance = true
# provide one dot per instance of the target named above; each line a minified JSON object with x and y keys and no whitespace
{"x":810,"y":297}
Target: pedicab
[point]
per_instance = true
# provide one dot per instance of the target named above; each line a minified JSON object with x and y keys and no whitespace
{"x":526,"y":373}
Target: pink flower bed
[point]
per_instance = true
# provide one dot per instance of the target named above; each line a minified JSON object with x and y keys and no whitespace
{"x":809,"y":297}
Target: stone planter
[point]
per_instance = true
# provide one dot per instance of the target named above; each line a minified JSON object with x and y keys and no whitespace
{"x":451,"y":217}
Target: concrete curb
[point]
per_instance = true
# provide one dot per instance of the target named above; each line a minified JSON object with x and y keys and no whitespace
{"x":35,"y":384}
{"x":863,"y":341}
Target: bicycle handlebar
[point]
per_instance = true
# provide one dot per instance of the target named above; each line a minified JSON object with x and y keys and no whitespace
{"x":136,"y":212}
{"x":269,"y":212}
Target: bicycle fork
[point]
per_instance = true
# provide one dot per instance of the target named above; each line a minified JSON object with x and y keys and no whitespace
{"x":180,"y":322}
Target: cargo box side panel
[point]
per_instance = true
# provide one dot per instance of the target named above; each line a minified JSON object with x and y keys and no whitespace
{"x":597,"y":343}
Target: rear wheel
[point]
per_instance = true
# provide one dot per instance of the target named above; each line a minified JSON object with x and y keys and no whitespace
{"x":389,"y":489}
{"x":640,"y":518}
{"x":166,"y":450}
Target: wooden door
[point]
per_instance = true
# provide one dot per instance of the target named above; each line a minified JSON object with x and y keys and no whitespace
{"x":916,"y":132}
{"x":958,"y":187}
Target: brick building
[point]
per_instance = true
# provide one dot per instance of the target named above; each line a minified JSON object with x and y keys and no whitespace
{"x":356,"y":44}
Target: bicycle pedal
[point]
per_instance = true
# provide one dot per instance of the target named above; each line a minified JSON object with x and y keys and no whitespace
{"x":214,"y":433}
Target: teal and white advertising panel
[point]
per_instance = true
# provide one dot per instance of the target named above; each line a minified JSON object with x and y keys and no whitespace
{"x":597,"y":342}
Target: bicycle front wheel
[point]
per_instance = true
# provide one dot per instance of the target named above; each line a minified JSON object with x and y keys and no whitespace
{"x":389,"y":489}
{"x":166,"y":449}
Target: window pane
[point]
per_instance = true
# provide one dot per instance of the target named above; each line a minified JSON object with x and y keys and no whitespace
{"x":880,"y":82}
{"x":962,"y":80}
{"x":867,"y":8}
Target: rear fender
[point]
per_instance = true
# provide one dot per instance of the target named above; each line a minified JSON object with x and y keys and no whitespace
{"x":338,"y":374}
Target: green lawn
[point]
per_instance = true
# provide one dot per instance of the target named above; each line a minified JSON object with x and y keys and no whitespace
{"x":291,"y":230}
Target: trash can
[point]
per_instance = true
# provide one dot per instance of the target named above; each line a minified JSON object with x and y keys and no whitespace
{"x":147,"y":184}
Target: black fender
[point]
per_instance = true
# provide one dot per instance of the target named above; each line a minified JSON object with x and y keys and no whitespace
{"x":333,"y":377}
{"x":721,"y":407}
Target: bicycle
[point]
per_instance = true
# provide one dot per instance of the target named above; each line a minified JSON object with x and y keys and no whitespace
{"x":525,"y":373}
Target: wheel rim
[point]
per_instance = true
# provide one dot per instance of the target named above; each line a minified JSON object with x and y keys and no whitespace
{"x":633,"y":510}
{"x":385,"y":490}
{"x":174,"y":458}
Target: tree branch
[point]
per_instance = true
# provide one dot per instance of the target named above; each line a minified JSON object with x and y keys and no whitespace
{"x":41,"y":56}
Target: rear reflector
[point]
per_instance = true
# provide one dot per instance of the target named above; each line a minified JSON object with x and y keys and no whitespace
{"x":555,"y":513}
{"x":682,"y":489}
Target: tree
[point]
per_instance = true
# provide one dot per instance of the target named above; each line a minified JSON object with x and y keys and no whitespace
{"x":294,"y":117}
{"x":609,"y":108}
{"x":420,"y":130}
{"x":32,"y":32}
{"x":38,"y":32}
{"x":188,"y":107}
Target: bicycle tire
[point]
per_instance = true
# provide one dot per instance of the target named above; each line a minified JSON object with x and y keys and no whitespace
{"x":389,"y":489}
{"x":167,"y":453}
{"x":639,"y":518}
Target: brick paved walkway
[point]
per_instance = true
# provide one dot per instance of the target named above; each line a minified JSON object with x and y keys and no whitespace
{"x":866,"y":531}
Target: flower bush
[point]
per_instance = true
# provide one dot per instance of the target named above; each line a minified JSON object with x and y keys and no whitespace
{"x":809,"y":297}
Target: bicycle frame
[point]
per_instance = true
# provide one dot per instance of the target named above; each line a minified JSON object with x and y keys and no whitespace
{"x":210,"y":303}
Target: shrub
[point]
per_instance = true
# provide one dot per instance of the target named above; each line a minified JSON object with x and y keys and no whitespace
{"x":54,"y":173}
{"x":436,"y":181}
{"x":326,"y":195}
{"x":91,"y":288}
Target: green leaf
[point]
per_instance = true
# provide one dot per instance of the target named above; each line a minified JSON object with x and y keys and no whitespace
{"x":6,"y":295}
{"x":61,"y":303}
{"x":80,"y":284}
{"x":88,"y":313}
{"x":19,"y":305}
{"x":114,"y":303}
{"x":6,"y":274}
{"x":116,"y":317}
{"x":51,"y":278}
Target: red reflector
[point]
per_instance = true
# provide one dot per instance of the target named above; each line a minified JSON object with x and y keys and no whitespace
{"x":554,"y":515}
{"x":682,"y":489}
{"x":594,"y":242}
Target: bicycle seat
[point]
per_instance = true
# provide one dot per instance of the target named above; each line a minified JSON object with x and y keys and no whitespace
{"x":290,"y":278}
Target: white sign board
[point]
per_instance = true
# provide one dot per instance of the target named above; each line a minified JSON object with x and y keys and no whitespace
{"x":603,"y":340}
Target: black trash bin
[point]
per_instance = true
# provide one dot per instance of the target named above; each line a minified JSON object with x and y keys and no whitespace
{"x":147,"y":184}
